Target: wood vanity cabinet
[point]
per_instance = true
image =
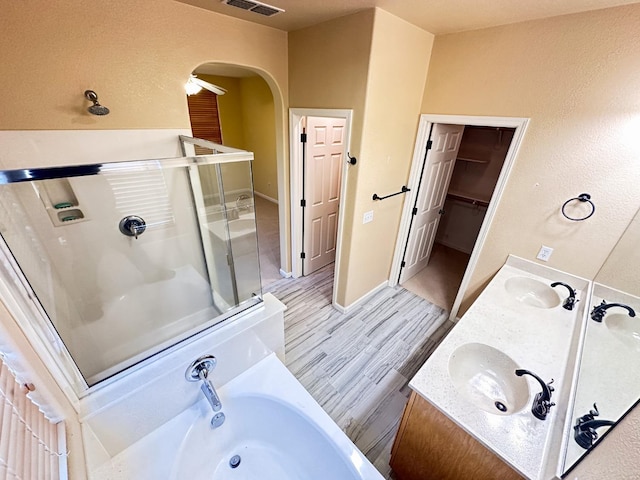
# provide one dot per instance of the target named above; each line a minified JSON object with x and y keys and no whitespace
{"x":430,"y":446}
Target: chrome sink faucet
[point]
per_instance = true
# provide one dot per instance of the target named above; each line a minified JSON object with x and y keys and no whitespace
{"x":542,"y":401}
{"x":570,"y":301}
{"x":199,"y":371}
{"x":599,"y":311}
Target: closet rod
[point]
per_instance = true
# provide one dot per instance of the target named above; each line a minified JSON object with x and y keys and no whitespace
{"x":472,"y":201}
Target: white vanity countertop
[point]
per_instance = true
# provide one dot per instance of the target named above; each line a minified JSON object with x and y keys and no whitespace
{"x":537,"y":339}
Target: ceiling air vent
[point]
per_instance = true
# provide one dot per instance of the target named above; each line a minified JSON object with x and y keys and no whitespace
{"x":256,"y":7}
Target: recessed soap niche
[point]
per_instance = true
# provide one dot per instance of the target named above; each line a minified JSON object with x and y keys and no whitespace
{"x":60,"y":201}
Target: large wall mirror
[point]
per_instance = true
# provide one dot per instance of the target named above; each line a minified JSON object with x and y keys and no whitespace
{"x":610,"y":362}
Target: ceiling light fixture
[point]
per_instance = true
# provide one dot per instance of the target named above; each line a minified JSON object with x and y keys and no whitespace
{"x":195,"y":84}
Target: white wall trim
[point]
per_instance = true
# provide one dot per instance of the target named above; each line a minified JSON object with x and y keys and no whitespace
{"x":266,"y":197}
{"x":363,"y":299}
{"x":285,"y":274}
{"x":426,"y":121}
{"x":295,"y":129}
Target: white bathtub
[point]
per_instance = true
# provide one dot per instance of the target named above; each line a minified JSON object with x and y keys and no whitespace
{"x":277,"y":429}
{"x":272,"y":423}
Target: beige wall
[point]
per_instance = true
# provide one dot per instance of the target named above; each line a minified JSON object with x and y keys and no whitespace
{"x":247,"y":118}
{"x":353,"y":62}
{"x":576,"y":78}
{"x":397,"y":71}
{"x":136,"y":56}
{"x":260,"y":134}
{"x":621,"y":270}
{"x":328,"y":68}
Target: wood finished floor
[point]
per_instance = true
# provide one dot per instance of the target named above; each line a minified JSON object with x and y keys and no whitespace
{"x":357,"y":366}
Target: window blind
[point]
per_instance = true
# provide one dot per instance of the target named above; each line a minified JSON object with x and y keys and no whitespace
{"x":205,"y":118}
{"x":29,"y":442}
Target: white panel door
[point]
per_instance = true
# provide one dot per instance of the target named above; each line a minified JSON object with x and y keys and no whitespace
{"x":324,"y":158}
{"x":434,"y":184}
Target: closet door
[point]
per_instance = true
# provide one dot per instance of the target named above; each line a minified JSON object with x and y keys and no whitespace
{"x":434,"y":184}
{"x":324,"y":158}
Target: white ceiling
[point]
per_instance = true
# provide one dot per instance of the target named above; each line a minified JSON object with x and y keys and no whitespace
{"x":435,"y":16}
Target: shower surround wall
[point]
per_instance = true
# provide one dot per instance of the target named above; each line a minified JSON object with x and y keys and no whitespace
{"x":115,"y":299}
{"x":118,"y":288}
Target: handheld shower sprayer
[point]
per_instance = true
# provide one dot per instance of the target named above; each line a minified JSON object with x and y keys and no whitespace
{"x":96,"y":108}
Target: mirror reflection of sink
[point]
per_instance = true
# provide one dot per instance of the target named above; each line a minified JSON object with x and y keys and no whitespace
{"x":532,"y":292}
{"x":624,"y":328}
{"x":486,"y":377}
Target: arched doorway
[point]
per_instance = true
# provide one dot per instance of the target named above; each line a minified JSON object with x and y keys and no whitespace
{"x":247,"y":113}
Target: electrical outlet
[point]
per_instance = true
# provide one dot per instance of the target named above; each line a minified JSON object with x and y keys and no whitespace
{"x":367,"y":217}
{"x":545,"y":253}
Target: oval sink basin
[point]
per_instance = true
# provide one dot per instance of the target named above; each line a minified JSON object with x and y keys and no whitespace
{"x":486,"y":377}
{"x":624,"y":328}
{"x":532,"y":292}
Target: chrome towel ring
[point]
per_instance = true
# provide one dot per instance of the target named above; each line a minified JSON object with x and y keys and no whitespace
{"x":583,"y":197}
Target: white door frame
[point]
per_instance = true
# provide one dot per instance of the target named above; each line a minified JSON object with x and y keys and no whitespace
{"x":295,"y":155}
{"x":419,"y":153}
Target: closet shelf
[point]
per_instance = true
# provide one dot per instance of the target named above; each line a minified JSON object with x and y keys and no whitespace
{"x":472,"y":160}
{"x":465,"y":197}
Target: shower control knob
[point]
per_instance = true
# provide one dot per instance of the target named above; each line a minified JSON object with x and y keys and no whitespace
{"x":132,"y":226}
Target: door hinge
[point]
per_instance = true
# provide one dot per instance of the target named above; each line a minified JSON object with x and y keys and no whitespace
{"x":303,"y":137}
{"x":429,"y":144}
{"x":303,"y":256}
{"x":414,"y":211}
{"x":403,"y":264}
{"x":303,"y":203}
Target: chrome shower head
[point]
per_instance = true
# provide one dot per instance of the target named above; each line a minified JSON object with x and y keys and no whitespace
{"x":96,"y":108}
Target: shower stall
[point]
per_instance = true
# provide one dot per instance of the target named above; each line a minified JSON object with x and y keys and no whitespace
{"x":119,"y":261}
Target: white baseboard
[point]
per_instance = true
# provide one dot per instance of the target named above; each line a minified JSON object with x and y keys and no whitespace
{"x":350,"y":308}
{"x":266,"y":197}
{"x":285,"y":274}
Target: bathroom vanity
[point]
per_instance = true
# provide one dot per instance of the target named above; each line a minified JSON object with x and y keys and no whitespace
{"x":430,"y":445}
{"x":471,"y":415}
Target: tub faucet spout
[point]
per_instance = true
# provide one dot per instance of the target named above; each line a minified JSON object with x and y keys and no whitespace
{"x":210,"y":392}
{"x":199,"y":371}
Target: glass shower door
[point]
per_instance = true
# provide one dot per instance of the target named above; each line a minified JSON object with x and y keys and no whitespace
{"x":117,"y":256}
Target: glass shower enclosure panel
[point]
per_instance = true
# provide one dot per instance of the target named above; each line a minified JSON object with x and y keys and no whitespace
{"x":241,"y":226}
{"x":117,"y":256}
